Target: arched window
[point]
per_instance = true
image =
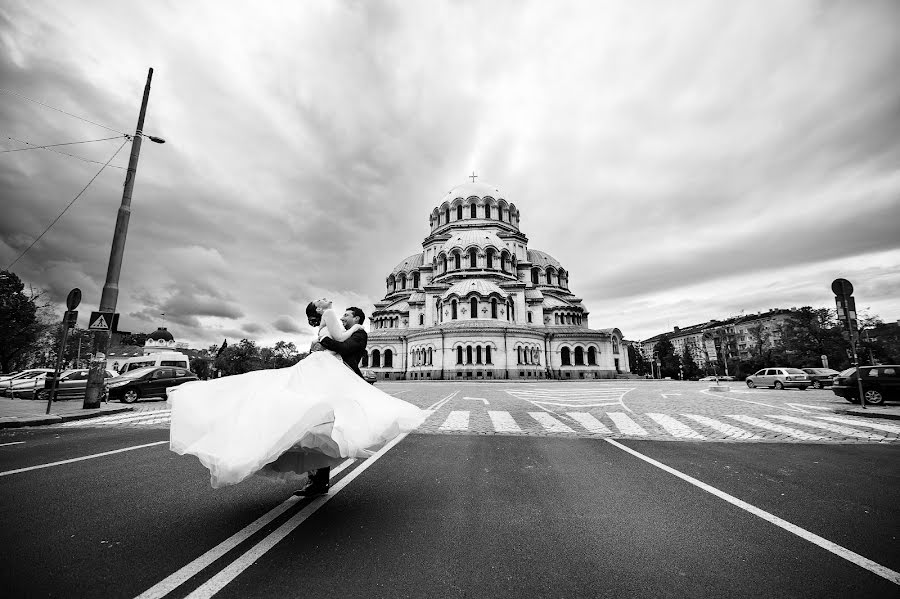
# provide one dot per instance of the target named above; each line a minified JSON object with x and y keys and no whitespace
{"x":364,"y":361}
{"x":489,"y":255}
{"x":416,"y":279}
{"x":527,"y":355}
{"x":487,"y":355}
{"x":459,"y":355}
{"x":537,"y":356}
{"x":421,"y":319}
{"x":447,"y":215}
{"x":493,"y":307}
{"x":429,"y":356}
{"x":468,"y":354}
{"x":388,"y":359}
{"x":512,"y":310}
{"x":453,"y":309}
{"x":592,"y":356}
{"x":534,"y":275}
{"x":403,"y":281}
{"x":579,"y":356}
{"x":478,"y":355}
{"x":566,"y":359}
{"x":473,"y":305}
{"x":456,"y":261}
{"x":549,"y":276}
{"x":459,"y":212}
{"x":473,"y":258}
{"x":473,"y":210}
{"x":376,"y":358}
{"x":529,"y":317}
{"x":615,"y":344}
{"x":443,"y":263}
{"x":519,"y":355}
{"x":487,"y":210}
{"x":500,"y":214}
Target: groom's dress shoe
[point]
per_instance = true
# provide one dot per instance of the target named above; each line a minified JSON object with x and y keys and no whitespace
{"x":312,"y":490}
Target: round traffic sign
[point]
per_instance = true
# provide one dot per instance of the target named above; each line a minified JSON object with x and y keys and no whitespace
{"x":842,"y":287}
{"x":73,"y":299}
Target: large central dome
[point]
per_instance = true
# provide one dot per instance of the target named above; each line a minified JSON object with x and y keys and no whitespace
{"x":467,"y":190}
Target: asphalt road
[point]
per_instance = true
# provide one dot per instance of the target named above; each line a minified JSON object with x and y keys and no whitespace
{"x":470,"y":512}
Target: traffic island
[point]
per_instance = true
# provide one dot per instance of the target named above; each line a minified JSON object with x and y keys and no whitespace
{"x":719,"y":388}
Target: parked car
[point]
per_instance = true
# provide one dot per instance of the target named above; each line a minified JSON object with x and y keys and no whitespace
{"x":71,"y":385}
{"x":22,"y":376}
{"x":780,"y":378}
{"x":820,"y":377}
{"x":721,"y":378}
{"x":148,"y":382}
{"x":879,"y":383}
{"x":369,"y":376}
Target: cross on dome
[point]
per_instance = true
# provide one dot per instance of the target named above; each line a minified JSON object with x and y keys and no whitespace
{"x":473,"y":176}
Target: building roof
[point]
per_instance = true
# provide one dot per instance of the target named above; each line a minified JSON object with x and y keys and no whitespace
{"x":551,"y":301}
{"x":161,"y":334}
{"x":469,"y":237}
{"x":533,"y":294}
{"x":409,"y":264}
{"x":543,"y":259}
{"x":478,"y":286}
{"x":467,"y":190}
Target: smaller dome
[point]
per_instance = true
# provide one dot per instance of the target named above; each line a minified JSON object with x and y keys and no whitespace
{"x":467,"y":190}
{"x":161,"y":334}
{"x":409,"y":264}
{"x":481,"y":239}
{"x":543,"y":259}
{"x":478,"y":286}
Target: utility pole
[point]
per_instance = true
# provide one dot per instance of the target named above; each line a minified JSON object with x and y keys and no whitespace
{"x":95,"y":384}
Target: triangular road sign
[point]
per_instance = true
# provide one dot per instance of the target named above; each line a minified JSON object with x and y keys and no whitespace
{"x":99,"y":321}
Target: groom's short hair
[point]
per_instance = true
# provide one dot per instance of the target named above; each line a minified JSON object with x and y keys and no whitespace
{"x":357,"y":313}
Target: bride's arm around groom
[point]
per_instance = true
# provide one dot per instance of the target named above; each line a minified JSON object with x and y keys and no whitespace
{"x":350,"y":344}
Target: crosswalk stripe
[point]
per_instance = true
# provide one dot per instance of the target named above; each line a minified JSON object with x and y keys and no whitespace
{"x":503,"y":422}
{"x":550,"y":423}
{"x":117,"y":418}
{"x":589,"y":422}
{"x":835,"y":428}
{"x":458,"y":420}
{"x":771,"y":426}
{"x":888,"y":428}
{"x":722,"y":427}
{"x":674,"y":427}
{"x":625,"y":424}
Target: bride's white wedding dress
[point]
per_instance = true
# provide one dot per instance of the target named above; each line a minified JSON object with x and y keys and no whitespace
{"x":286,"y":421}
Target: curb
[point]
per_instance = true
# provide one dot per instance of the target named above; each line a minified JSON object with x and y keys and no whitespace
{"x":866,"y":414}
{"x":14,"y":422}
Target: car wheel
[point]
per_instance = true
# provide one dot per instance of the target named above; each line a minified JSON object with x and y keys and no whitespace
{"x":751,"y":384}
{"x":42,"y":394}
{"x":130,"y":396}
{"x":803,"y":388}
{"x":817,"y":385}
{"x":779,"y":385}
{"x":874,"y":397}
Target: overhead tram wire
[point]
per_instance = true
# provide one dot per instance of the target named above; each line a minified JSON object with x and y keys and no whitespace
{"x":70,"y":203}
{"x":12,"y":93}
{"x":48,"y":148}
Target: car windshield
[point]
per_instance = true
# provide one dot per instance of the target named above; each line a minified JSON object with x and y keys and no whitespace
{"x":848,"y":372}
{"x":136,"y":373}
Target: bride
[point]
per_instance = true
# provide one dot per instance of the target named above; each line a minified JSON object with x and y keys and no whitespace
{"x":281,"y":423}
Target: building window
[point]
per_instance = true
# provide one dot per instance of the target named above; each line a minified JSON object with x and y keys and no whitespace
{"x":534,"y":275}
{"x":416,"y":279}
{"x":529,"y":317}
{"x":579,"y":356}
{"x":457,"y":261}
{"x":388,"y":359}
{"x":447,"y":216}
{"x":468,"y":354}
{"x":459,"y":355}
{"x":537,"y":356}
{"x":487,"y":210}
{"x":443,"y":264}
{"x":478,"y":355}
{"x":500,"y":214}
{"x":473,"y":211}
{"x":473,"y":305}
{"x":429,"y":356}
{"x":615,"y":344}
{"x":566,"y":359}
{"x":490,"y":258}
{"x":493,"y":307}
{"x":403,"y":281}
{"x":487,"y":355}
{"x":473,"y":258}
{"x":592,"y":356}
{"x":549,"y":276}
{"x":376,"y":358}
{"x":459,"y":212}
{"x":364,"y":361}
{"x":421,"y":320}
{"x":453,"y":309}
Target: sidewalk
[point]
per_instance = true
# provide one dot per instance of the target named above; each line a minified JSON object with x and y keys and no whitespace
{"x":16,"y":413}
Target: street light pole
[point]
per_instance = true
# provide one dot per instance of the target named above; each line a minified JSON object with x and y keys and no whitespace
{"x":110,"y":295}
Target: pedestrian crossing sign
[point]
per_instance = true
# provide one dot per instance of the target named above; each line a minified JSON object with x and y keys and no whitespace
{"x":100,"y":321}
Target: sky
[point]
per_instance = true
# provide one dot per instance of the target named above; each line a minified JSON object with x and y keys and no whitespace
{"x":684,"y":161}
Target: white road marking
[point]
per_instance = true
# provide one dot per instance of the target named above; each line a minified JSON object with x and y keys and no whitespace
{"x":118,"y":418}
{"x":726,"y":429}
{"x":503,"y":422}
{"x":804,"y":534}
{"x":572,"y":398}
{"x":440,"y":403}
{"x":666,"y":395}
{"x":233,"y":570}
{"x":803,"y":405}
{"x":674,"y":427}
{"x":87,"y":457}
{"x":866,"y":422}
{"x":176,"y":579}
{"x":486,"y":402}
{"x":13,"y":443}
{"x":590,"y":423}
{"x":550,"y":423}
{"x":719,"y":395}
{"x":625,"y":424}
{"x":458,"y":420}
{"x":771,"y":426}
{"x":835,"y":428}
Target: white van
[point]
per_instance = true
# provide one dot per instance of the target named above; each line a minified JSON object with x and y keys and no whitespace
{"x":165,"y":358}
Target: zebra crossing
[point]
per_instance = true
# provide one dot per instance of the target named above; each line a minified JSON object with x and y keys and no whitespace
{"x":149,"y":418}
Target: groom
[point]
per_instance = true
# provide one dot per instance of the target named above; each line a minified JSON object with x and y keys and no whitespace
{"x":351,"y":352}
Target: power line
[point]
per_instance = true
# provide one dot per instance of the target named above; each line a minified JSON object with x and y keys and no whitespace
{"x":67,"y":206}
{"x":71,"y":143}
{"x":6,"y":91}
{"x":127,"y":137}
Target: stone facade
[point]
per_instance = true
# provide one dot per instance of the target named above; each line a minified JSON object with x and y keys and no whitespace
{"x":477,"y":303}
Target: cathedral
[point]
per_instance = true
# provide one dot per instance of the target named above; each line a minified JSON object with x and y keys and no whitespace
{"x":476,"y":303}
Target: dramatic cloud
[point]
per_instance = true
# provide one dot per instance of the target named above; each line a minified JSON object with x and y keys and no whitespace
{"x":684,"y":161}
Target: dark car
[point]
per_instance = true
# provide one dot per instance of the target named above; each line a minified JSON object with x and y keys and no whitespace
{"x":879,"y":383}
{"x":148,"y":382}
{"x":820,"y":377}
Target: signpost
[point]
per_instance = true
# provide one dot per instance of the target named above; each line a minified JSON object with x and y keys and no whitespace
{"x":68,"y":322}
{"x":846,"y":313}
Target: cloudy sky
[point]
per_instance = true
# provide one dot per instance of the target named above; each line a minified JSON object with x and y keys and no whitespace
{"x":683,"y":160}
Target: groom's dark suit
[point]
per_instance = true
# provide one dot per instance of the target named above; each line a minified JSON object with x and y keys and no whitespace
{"x":351,"y":350}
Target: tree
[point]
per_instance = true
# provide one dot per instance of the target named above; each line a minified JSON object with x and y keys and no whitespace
{"x":664,"y":351}
{"x":238,"y":359}
{"x":689,"y":367}
{"x":134,"y":339}
{"x":810,"y":333}
{"x":24,"y":319}
{"x":637,"y":361}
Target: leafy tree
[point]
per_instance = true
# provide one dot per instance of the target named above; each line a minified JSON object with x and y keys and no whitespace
{"x":664,"y":351}
{"x":238,"y":359}
{"x":689,"y":367}
{"x":201,"y":366}
{"x":810,"y":333}
{"x":24,"y":319}
{"x":134,"y":339}
{"x":637,"y":361}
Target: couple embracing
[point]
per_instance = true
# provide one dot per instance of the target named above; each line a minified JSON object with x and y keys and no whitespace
{"x":285,"y":422}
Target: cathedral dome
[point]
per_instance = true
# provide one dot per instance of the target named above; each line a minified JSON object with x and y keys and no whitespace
{"x":478,"y":286}
{"x":543,"y":259}
{"x":467,"y":190}
{"x":408,"y":265}
{"x":161,"y":334}
{"x":464,"y":239}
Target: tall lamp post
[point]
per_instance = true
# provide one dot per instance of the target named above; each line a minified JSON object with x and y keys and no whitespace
{"x":95,"y":383}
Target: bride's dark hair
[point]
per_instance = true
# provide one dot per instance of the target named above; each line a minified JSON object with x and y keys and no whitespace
{"x":315,"y":319}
